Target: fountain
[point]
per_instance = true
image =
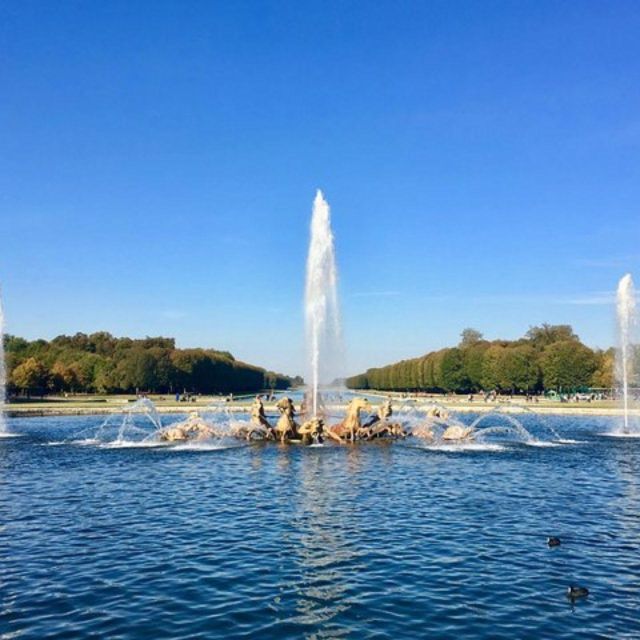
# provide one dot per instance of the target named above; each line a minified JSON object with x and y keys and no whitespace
{"x":140,"y":425}
{"x":512,"y":426}
{"x":626,"y":304}
{"x":322,"y":316}
{"x":436,"y":425}
{"x":3,"y":373}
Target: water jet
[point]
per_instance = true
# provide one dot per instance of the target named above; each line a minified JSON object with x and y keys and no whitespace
{"x":3,"y":373}
{"x":322,"y":317}
{"x":625,"y":307}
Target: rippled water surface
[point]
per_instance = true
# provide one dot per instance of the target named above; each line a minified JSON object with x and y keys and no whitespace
{"x":378,"y":540}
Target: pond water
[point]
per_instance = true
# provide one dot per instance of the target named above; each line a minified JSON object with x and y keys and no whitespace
{"x":377,"y":540}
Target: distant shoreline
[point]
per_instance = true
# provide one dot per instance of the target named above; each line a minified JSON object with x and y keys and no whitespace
{"x":117,"y":405}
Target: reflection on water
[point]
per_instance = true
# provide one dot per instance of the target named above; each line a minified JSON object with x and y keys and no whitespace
{"x":380,"y":540}
{"x":323,"y":553}
{"x":627,"y":467}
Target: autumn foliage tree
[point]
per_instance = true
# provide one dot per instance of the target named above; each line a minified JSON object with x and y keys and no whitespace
{"x":30,"y":375}
{"x":102,"y":363}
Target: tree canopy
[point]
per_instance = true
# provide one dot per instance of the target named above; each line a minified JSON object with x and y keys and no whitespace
{"x":102,"y":363}
{"x":547,"y":357}
{"x":470,"y":336}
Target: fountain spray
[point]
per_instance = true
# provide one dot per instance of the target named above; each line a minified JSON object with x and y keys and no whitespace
{"x":3,"y":372}
{"x":322,"y":316}
{"x":626,"y":303}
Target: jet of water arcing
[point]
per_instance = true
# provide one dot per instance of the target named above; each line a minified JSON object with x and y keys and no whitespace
{"x":514,"y":425}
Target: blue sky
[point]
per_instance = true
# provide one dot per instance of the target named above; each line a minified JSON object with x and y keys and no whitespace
{"x":158,"y":161}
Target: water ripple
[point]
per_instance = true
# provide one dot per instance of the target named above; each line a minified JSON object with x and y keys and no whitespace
{"x":388,"y":541}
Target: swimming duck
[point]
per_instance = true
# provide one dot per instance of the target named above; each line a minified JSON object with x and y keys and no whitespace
{"x":552,"y":541}
{"x":577,"y":592}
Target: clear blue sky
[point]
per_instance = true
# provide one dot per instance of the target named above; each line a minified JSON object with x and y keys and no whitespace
{"x":158,"y":161}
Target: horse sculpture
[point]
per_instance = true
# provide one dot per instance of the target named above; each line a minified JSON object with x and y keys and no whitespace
{"x":440,"y":417}
{"x":458,"y":432}
{"x":351,"y":425}
{"x":193,"y":428}
{"x":312,"y":431}
{"x":260,"y":426}
{"x":286,"y":427}
{"x":379,"y":426}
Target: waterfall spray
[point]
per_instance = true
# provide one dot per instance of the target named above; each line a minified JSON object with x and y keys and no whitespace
{"x":322,"y":316}
{"x":626,"y":304}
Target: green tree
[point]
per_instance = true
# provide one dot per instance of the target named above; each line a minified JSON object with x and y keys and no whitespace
{"x":428,"y":376}
{"x":546,"y":334}
{"x":567,"y":365}
{"x":492,"y":374}
{"x":473,"y":355}
{"x":14,"y":344}
{"x":520,"y":371}
{"x":104,"y":363}
{"x":469,"y":337}
{"x":137,"y":370}
{"x":604,"y":374}
{"x":453,"y":376}
{"x":63,"y":377}
{"x":438,"y":380}
{"x":103,"y":343}
{"x":505,"y":365}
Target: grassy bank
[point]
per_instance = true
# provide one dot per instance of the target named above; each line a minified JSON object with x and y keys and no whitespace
{"x":97,"y":405}
{"x":113,"y":404}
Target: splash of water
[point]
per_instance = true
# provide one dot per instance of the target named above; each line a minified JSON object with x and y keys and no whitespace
{"x":540,"y":420}
{"x":3,"y":373}
{"x":322,"y":317}
{"x":513,"y":425}
{"x":139,"y":423}
{"x":141,"y":407}
{"x":626,"y":305}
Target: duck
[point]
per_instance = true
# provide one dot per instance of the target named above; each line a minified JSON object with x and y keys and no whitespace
{"x":553,"y":541}
{"x":577,"y":592}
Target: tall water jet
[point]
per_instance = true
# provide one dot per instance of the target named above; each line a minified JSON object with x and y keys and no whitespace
{"x":3,"y":372}
{"x":322,"y":317}
{"x":626,"y":304}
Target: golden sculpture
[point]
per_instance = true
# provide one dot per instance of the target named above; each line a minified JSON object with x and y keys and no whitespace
{"x":351,"y":425}
{"x":437,"y":426}
{"x":193,"y":428}
{"x":286,"y":427}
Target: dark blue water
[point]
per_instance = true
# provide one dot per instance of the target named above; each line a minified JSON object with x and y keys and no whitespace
{"x":372,"y":541}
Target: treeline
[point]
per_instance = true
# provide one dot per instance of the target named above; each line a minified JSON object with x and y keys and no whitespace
{"x":102,"y":363}
{"x":547,"y":357}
